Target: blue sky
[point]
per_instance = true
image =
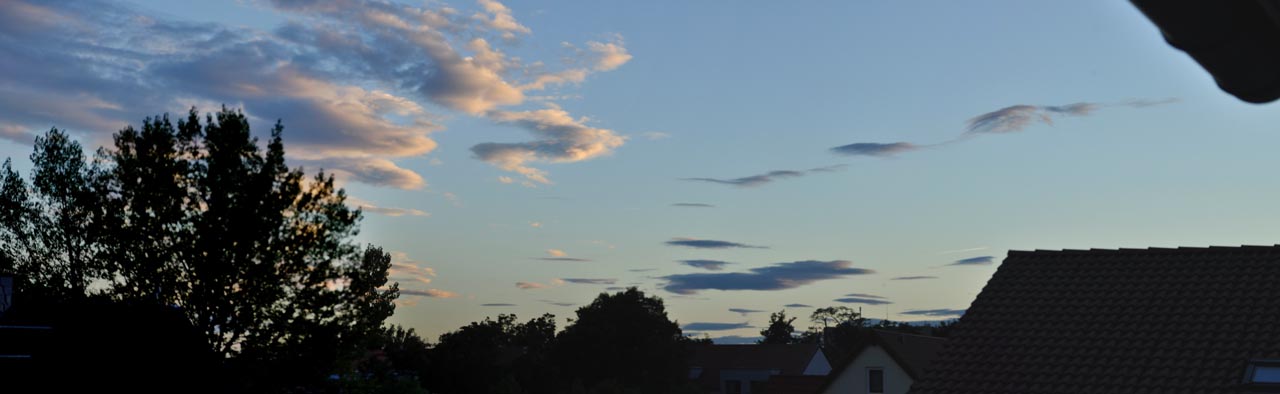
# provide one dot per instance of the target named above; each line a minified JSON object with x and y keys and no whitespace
{"x":529,"y":155}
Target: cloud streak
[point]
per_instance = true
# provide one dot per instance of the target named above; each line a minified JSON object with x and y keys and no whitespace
{"x":934,"y":312}
{"x":744,"y":312}
{"x":710,"y":244}
{"x":709,"y":265}
{"x":980,"y":260}
{"x":387,"y":211}
{"x":431,"y":293}
{"x":768,"y":177}
{"x":864,"y":301}
{"x":591,"y":281}
{"x":572,"y":259}
{"x":1011,"y":119}
{"x":779,"y":276}
{"x":875,"y":149}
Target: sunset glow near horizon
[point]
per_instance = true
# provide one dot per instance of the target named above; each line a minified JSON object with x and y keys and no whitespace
{"x":522,"y":157}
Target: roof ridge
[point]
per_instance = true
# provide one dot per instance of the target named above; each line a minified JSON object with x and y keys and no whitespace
{"x":907,"y":334}
{"x":1161,"y":249}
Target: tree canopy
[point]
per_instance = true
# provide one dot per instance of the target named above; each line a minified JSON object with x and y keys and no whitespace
{"x":625,"y":339}
{"x":780,"y":330}
{"x":203,"y":216}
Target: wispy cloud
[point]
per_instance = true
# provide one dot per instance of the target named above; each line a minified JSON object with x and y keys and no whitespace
{"x":433,"y":293}
{"x":655,"y":135}
{"x":560,"y":255}
{"x":875,"y":149}
{"x":692,"y":205}
{"x":367,"y":206}
{"x":530,"y":285}
{"x":760,"y":179}
{"x":980,"y":260}
{"x":574,"y":259}
{"x":642,"y":269}
{"x":498,"y":304}
{"x":558,"y":303}
{"x":743,"y":311}
{"x":710,"y":244}
{"x":407,"y":271}
{"x":538,"y":285}
{"x":798,"y":306}
{"x":918,"y":277}
{"x":863,"y":300}
{"x":711,"y":326}
{"x":591,"y":281}
{"x":709,"y":265}
{"x":1009,"y":119}
{"x":779,"y":276}
{"x":934,"y":312}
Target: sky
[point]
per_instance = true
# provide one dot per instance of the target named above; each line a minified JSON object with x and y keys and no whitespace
{"x":735,"y":160}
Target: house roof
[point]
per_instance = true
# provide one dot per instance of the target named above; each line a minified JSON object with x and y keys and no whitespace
{"x":787,"y":359}
{"x":1116,"y":321}
{"x":914,"y":353}
{"x":790,"y":359}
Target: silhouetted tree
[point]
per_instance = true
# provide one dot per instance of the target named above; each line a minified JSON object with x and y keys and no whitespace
{"x":624,"y":339}
{"x":495,"y":356}
{"x":780,"y":330}
{"x":943,"y":328}
{"x":396,"y":363}
{"x":53,"y":229}
{"x":203,"y":217}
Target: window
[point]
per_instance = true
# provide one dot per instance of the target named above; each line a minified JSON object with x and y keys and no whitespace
{"x":733,"y":387}
{"x":875,"y":380}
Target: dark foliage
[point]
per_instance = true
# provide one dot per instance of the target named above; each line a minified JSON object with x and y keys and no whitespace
{"x":625,"y":339}
{"x":200,"y":215}
{"x":780,"y":330}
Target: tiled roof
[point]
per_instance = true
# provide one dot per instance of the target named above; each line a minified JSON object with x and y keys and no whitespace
{"x":914,"y":353}
{"x":1184,"y":320}
{"x":788,"y":359}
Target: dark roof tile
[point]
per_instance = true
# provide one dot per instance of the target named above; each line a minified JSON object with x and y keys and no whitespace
{"x":1160,"y":320}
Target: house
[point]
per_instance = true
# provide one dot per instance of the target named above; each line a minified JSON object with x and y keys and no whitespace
{"x":888,"y":364}
{"x":741,"y":369}
{"x":96,"y":345}
{"x":1184,"y":320}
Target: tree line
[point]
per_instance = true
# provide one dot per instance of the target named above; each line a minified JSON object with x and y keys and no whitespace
{"x":840,"y":330}
{"x":260,"y":259}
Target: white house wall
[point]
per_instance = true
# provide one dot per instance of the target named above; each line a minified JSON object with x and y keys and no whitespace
{"x":853,"y":379}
